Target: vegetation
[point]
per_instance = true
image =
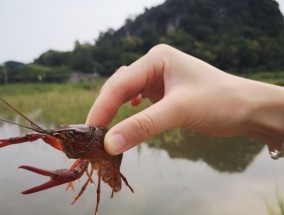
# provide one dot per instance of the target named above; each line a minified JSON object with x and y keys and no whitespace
{"x":52,"y":98}
{"x":55,"y":104}
{"x":239,"y":36}
{"x":276,"y":78}
{"x":51,"y":101}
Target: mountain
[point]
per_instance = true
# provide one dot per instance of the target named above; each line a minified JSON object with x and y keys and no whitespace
{"x":204,"y":19}
{"x":235,"y":35}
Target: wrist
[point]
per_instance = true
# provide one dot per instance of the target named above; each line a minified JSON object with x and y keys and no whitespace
{"x":265,"y":112}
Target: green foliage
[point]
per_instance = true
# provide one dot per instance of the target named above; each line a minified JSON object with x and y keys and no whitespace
{"x":81,"y":59}
{"x":131,"y":43}
{"x":54,"y":58}
{"x":35,"y":73}
{"x":276,"y":77}
{"x":58,"y":104}
{"x":238,"y":36}
{"x":38,"y":73}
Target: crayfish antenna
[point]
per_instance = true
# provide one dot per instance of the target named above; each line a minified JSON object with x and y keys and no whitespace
{"x":24,"y":126}
{"x":35,"y":127}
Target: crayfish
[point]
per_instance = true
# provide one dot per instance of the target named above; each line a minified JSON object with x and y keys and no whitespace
{"x":85,"y":143}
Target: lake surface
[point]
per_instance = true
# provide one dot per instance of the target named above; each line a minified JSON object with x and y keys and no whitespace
{"x":184,"y":174}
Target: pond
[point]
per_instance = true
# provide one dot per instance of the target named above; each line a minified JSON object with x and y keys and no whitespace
{"x":181,"y":174}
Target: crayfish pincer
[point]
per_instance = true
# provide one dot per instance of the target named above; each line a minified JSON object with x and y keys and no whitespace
{"x":85,"y":143}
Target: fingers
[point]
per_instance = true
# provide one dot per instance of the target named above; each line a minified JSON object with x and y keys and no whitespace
{"x":106,"y":105}
{"x":143,"y":78}
{"x":157,"y":118}
{"x":113,"y":77}
{"x":124,"y":86}
{"x":136,"y":101}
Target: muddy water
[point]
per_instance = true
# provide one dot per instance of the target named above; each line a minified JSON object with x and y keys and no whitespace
{"x":191,"y":174}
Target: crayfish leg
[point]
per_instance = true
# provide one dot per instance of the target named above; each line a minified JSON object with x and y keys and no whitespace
{"x":75,"y":164}
{"x":126,"y":182}
{"x":89,"y":175}
{"x":84,"y":186}
{"x":70,"y":185}
{"x":98,"y":191}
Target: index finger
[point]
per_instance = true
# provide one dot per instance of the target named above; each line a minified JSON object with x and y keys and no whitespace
{"x":121,"y":88}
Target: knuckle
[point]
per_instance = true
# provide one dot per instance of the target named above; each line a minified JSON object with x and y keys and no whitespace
{"x":120,"y":69}
{"x":144,"y":126}
{"x":158,"y":57}
{"x":160,"y":48}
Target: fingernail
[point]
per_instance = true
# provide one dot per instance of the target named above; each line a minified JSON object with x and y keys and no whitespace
{"x":115,"y":144}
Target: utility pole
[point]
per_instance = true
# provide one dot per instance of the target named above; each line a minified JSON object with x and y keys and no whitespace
{"x":5,"y":75}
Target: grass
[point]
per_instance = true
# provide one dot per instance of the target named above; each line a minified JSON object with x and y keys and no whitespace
{"x":269,"y":77}
{"x":55,"y":104}
{"x":69,"y":103}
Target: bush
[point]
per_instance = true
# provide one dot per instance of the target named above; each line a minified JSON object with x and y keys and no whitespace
{"x":36,"y":73}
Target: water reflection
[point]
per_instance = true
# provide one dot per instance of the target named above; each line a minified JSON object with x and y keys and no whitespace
{"x":176,"y":176}
{"x":222,"y":154}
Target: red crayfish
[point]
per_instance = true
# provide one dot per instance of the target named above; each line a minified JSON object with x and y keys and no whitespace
{"x":81,"y":142}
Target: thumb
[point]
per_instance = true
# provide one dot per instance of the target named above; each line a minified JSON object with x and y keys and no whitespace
{"x":157,"y":118}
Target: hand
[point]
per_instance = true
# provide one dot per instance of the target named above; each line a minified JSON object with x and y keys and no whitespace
{"x":186,"y":93}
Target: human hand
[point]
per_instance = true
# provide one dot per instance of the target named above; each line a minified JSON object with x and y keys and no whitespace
{"x":186,"y":93}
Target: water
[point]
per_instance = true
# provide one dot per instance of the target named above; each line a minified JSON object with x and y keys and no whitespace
{"x":188,"y":174}
{"x":276,"y":154}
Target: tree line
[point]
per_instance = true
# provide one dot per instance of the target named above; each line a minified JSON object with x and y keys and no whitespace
{"x":238,"y":36}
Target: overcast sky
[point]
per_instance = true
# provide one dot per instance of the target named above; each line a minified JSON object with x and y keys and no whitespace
{"x":31,"y":27}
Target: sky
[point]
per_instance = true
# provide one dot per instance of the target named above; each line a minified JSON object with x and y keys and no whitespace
{"x":29,"y":28}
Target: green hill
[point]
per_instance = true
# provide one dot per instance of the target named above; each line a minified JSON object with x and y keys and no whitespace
{"x":235,"y":35}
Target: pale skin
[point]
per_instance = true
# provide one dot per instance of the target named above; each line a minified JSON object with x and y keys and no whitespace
{"x":186,"y":93}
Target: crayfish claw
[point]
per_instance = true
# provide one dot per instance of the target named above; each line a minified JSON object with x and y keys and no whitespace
{"x":4,"y":142}
{"x":54,"y":181}
{"x":47,"y":185}
{"x":57,"y":177}
{"x":37,"y":170}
